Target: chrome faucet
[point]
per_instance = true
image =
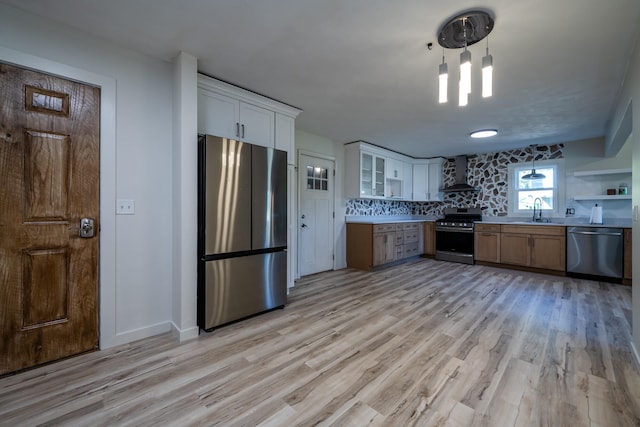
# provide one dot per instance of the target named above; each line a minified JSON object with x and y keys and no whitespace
{"x":537,"y":217}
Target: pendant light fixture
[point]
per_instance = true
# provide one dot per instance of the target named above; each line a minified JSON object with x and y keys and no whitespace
{"x":443,"y":81}
{"x":462,"y":31}
{"x":465,"y":66}
{"x":487,"y":74}
{"x":533,"y":175}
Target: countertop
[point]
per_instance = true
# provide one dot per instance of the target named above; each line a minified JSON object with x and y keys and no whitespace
{"x":560,"y":222}
{"x":385,"y":219}
{"x":557,"y":222}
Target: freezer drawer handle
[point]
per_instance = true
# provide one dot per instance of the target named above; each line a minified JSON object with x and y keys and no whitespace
{"x":595,"y":232}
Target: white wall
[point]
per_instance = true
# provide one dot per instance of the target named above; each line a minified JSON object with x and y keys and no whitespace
{"x":185,"y":218}
{"x":631,"y":93}
{"x":135,"y":263}
{"x":588,"y":155}
{"x":311,"y":143}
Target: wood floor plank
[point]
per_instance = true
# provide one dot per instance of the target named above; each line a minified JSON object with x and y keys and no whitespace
{"x":426,"y":343}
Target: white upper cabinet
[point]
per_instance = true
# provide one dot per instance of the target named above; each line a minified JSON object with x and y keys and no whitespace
{"x":285,"y":135}
{"x":364,"y":172}
{"x":427,"y":179}
{"x":394,"y":175}
{"x":375,"y":173}
{"x":257,"y":125}
{"x":218,"y":114}
{"x":231,"y":112}
{"x":407,"y":180}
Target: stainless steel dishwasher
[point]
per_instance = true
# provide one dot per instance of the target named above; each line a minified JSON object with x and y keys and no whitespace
{"x":594,"y":251}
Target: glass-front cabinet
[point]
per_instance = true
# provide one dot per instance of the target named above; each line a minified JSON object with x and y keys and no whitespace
{"x":371,"y":175}
{"x":371,"y":172}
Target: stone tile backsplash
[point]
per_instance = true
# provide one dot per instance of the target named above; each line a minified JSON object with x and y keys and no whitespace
{"x":486,"y":171}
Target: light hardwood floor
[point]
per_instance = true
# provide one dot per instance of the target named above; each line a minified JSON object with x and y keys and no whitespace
{"x":424,"y":343}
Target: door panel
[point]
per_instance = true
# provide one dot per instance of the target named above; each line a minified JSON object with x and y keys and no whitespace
{"x":46,"y":175}
{"x":315,"y":220}
{"x":239,"y":287}
{"x":227,"y":195}
{"x":269,"y":198}
{"x":49,"y":166}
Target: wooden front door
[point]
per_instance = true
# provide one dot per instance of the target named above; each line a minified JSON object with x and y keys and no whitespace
{"x":49,"y":181}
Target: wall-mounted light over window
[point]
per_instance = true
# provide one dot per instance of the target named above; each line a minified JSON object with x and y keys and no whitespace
{"x":462,"y":31}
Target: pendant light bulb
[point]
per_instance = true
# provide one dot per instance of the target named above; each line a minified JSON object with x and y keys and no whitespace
{"x":487,"y":74}
{"x":465,"y":71}
{"x":463,"y":96}
{"x":444,"y":82}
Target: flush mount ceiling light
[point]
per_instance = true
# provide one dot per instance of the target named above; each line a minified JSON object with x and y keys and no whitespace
{"x":483,"y":133}
{"x":459,"y":32}
{"x":533,"y":175}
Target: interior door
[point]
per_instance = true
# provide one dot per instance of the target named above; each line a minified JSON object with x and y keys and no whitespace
{"x":49,"y":169}
{"x":315,"y":217}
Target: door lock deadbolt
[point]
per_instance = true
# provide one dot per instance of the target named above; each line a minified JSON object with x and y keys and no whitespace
{"x":86,"y":227}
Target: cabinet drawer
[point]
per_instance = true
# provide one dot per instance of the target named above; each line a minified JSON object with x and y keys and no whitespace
{"x":399,"y":252}
{"x":410,"y":226}
{"x":547,"y":230}
{"x":410,"y":236}
{"x":383,"y":228}
{"x":410,"y":249}
{"x":400,"y":239}
{"x":490,"y":228}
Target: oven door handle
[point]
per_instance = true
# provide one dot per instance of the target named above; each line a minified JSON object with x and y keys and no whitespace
{"x":455,"y":229}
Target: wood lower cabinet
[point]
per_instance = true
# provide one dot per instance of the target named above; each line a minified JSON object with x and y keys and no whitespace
{"x":374,"y":245}
{"x":487,"y":243}
{"x":429,"y":238}
{"x":627,"y":256}
{"x":412,"y":239}
{"x":541,"y":247}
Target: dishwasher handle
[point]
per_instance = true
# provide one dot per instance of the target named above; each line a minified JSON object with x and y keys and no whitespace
{"x":596,"y":233}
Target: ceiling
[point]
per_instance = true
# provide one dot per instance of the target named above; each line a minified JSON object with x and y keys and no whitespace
{"x":360,"y":69}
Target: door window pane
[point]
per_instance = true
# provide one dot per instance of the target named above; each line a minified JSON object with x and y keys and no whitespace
{"x":317,"y":178}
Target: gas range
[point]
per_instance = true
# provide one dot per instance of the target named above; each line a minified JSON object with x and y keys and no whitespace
{"x":454,"y":234}
{"x":460,"y":217}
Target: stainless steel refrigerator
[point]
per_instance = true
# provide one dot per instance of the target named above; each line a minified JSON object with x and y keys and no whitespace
{"x":242,"y":230}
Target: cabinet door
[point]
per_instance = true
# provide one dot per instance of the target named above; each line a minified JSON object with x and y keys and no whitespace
{"x":218,"y":114}
{"x":367,"y":174}
{"x":419,"y":184}
{"x":378,"y":177}
{"x":407,"y":180}
{"x":257,"y":125}
{"x":384,"y":247}
{"x":285,"y":136}
{"x":627,"y":255}
{"x":393,"y":169}
{"x":548,"y":252}
{"x":515,"y":249}
{"x":487,"y":246}
{"x":429,"y":238}
{"x":434,"y":180}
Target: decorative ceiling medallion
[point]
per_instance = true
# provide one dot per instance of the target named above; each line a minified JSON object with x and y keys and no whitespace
{"x":465,"y":29}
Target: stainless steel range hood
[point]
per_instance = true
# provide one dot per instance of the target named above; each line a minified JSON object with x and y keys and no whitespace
{"x":460,"y":176}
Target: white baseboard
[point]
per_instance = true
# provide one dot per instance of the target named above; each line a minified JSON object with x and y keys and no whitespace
{"x":185,"y":334}
{"x":136,"y":334}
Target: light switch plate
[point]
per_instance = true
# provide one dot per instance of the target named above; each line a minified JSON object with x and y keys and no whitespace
{"x":125,"y":207}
